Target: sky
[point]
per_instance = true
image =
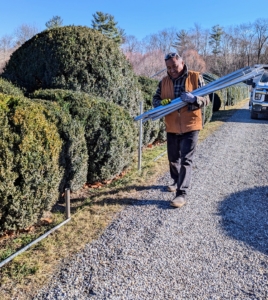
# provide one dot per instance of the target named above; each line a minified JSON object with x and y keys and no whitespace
{"x":139,"y":18}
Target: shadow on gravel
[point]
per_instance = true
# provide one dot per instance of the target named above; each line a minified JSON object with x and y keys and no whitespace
{"x":243,"y":118}
{"x":132,"y":201}
{"x":245,"y":217}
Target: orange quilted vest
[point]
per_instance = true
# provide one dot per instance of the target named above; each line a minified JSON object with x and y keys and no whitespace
{"x":183,"y":120}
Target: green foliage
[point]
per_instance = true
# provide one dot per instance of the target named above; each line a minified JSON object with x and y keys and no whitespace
{"x":151,"y":129}
{"x":228,"y":96}
{"x":77,"y":103}
{"x":29,"y":162}
{"x":8,"y":88}
{"x":216,"y":98}
{"x":106,"y":24}
{"x":55,"y":22}
{"x":207,"y":111}
{"x":111,"y":141}
{"x":110,"y":132}
{"x":74,"y":157}
{"x":215,"y":39}
{"x":75,"y":58}
{"x":183,"y":41}
{"x":236,"y":93}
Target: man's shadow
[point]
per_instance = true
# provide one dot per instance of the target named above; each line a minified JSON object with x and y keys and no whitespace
{"x":245,"y":217}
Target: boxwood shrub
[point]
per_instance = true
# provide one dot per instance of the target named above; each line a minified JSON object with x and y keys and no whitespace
{"x":110,"y":132}
{"x":111,"y":137}
{"x":75,"y":58}
{"x":8,"y":88}
{"x":151,"y":129}
{"x":74,"y":157}
{"x":30,"y":175}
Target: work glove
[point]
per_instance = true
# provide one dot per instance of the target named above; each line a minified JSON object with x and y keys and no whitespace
{"x":165,"y":101}
{"x":188,"y":97}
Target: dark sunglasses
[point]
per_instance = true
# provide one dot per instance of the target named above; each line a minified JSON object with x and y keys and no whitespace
{"x":170,"y":55}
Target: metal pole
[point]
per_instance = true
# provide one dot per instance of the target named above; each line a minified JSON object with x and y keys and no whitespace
{"x":67,"y":204}
{"x":219,"y":84}
{"x":212,"y":102}
{"x":68,"y":218}
{"x":140,"y":138}
{"x":32,"y":243}
{"x":204,"y":115}
{"x":225,"y":98}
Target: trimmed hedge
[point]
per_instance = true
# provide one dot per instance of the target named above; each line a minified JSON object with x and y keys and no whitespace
{"x":110,"y":132}
{"x":30,"y":149}
{"x":236,"y":93}
{"x":75,"y":58}
{"x":208,"y":77}
{"x":77,"y":103}
{"x":228,"y":96}
{"x":111,"y":137}
{"x":73,"y":157}
{"x":151,"y":129}
{"x":8,"y":88}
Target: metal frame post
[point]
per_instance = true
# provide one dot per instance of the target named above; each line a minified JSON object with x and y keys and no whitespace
{"x":67,"y":204}
{"x":140,"y":138}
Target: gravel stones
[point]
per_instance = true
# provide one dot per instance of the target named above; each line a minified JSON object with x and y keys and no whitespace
{"x":215,"y":247}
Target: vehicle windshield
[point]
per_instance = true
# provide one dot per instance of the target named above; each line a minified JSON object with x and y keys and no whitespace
{"x":264,"y":77}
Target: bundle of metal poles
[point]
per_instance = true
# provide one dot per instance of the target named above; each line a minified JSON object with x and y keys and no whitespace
{"x":221,"y":83}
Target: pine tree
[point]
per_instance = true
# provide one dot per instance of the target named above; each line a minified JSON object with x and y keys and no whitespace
{"x":106,"y":24}
{"x":215,"y":39}
{"x":182,"y":42}
{"x":55,"y":22}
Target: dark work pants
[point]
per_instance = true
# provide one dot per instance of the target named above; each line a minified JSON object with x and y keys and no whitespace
{"x":180,"y":149}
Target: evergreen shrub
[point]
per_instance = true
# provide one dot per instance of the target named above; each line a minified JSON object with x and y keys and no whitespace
{"x":111,"y":137}
{"x":75,"y":58}
{"x":151,"y":129}
{"x":74,"y":157}
{"x":30,"y":149}
{"x":236,"y":93}
{"x":8,"y":88}
{"x":110,"y":132}
{"x":208,"y":77}
{"x":227,"y":96}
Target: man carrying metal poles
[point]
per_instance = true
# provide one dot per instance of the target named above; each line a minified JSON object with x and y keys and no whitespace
{"x":183,"y":125}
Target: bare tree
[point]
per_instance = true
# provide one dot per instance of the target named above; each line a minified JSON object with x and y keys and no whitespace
{"x":24,"y":32}
{"x":131,"y":45}
{"x":242,"y":45}
{"x":183,"y":42}
{"x":6,"y":48}
{"x":194,"y":61}
{"x":162,"y":41}
{"x":261,"y":29}
{"x":147,"y":64}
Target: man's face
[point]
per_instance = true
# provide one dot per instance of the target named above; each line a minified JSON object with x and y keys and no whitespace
{"x":174,"y":67}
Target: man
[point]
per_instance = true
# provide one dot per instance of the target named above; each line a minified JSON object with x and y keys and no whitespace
{"x":182,"y":126}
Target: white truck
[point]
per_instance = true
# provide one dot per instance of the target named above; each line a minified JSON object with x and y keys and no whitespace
{"x":258,"y":103}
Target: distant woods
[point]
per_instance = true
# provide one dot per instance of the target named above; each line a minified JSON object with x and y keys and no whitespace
{"x":216,"y":50}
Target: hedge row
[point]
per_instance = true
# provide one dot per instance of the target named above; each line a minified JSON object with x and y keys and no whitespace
{"x":228,"y":96}
{"x":152,"y":130}
{"x":47,"y":146}
{"x":110,"y":133}
{"x":8,"y":88}
{"x":30,"y":173}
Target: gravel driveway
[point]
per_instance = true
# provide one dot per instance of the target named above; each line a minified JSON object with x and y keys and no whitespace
{"x":216,"y":247}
